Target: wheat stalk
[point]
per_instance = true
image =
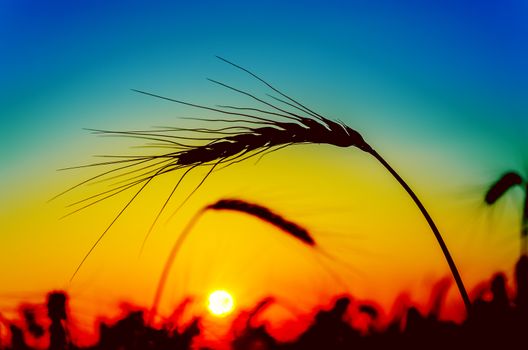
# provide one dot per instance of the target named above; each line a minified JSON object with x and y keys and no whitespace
{"x":280,"y":123}
{"x":496,"y":191}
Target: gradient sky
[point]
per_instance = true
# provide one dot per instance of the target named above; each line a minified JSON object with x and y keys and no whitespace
{"x":439,"y":89}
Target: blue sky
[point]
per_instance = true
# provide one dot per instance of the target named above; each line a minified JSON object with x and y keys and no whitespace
{"x":468,"y":57}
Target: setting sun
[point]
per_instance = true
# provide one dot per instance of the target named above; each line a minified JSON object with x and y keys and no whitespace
{"x":220,"y":303}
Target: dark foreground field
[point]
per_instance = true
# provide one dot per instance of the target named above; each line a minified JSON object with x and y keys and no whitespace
{"x":498,"y":320}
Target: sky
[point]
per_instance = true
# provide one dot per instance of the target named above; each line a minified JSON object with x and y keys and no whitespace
{"x":438,"y":88}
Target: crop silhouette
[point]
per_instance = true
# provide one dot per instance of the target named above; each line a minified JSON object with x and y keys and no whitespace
{"x":57,"y":314}
{"x":265,"y":214}
{"x":498,"y":321}
{"x":251,"y":132}
{"x":497,"y":191}
{"x":290,"y":228}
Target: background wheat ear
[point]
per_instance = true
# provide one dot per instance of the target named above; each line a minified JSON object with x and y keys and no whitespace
{"x":501,"y":186}
{"x":265,"y":214}
{"x":496,"y":191}
{"x":288,"y":227}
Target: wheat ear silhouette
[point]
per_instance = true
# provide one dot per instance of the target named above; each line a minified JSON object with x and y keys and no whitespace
{"x":496,"y":191}
{"x":280,"y":123}
{"x":260,"y":212}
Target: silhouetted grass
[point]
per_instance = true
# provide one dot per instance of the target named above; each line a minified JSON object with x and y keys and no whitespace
{"x":497,"y":322}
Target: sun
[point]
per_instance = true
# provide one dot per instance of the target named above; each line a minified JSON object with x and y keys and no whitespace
{"x":221,"y":303}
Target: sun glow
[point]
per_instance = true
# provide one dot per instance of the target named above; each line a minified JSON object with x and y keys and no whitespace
{"x":220,"y":303}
